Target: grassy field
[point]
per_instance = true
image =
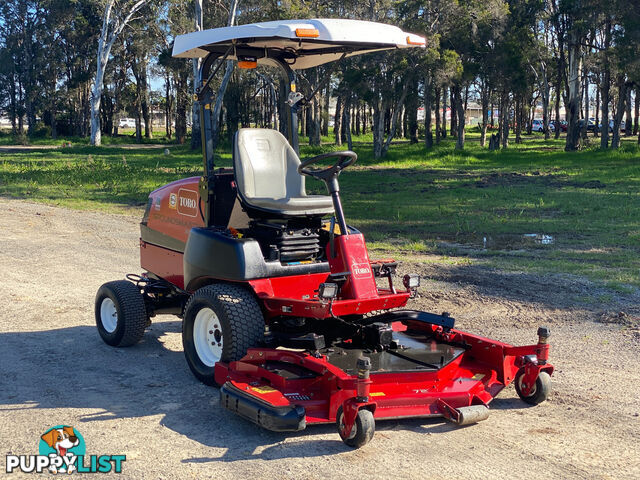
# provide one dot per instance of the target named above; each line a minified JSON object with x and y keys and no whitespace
{"x":532,"y":207}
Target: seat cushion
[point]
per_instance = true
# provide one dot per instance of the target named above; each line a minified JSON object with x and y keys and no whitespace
{"x":308,"y":205}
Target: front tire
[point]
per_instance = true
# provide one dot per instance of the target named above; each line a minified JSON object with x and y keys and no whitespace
{"x":540,"y":391}
{"x":121,"y":314}
{"x":362,"y":431}
{"x":221,"y":322}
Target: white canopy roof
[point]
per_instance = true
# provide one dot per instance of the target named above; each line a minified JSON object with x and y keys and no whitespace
{"x":310,"y":42}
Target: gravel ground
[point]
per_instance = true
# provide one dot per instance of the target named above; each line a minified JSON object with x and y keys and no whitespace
{"x":143,"y":401}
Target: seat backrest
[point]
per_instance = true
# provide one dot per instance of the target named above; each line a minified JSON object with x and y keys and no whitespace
{"x":265,"y":165}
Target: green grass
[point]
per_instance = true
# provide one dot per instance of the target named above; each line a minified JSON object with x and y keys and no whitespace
{"x":413,"y":201}
{"x":126,"y":136}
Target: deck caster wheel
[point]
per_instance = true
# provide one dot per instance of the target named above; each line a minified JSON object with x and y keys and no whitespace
{"x":121,"y":314}
{"x":362,"y":431}
{"x":540,"y":391}
{"x":220,"y":323}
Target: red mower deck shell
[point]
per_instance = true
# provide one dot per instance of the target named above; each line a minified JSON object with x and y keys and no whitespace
{"x":474,"y":377}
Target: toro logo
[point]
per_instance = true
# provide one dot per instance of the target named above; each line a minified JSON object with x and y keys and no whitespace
{"x":188,"y":202}
{"x":62,"y":449}
{"x":361,"y":270}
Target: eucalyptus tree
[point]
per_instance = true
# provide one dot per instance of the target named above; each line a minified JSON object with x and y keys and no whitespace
{"x":117,"y":15}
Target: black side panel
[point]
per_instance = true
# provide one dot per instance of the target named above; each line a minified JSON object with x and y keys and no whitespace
{"x":155,"y":237}
{"x":224,"y":196}
{"x":209,"y":253}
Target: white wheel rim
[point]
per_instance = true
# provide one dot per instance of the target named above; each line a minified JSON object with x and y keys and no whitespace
{"x":108,"y":315}
{"x":207,"y":337}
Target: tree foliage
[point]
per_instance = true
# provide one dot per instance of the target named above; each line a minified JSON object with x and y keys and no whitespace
{"x":515,"y":59}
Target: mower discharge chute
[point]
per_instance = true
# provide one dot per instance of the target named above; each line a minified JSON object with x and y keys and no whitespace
{"x":281,"y":305}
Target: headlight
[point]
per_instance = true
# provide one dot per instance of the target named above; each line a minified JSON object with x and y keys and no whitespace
{"x":411,"y":281}
{"x":327,"y":291}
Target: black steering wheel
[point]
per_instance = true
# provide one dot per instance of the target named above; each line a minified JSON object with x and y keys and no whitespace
{"x":344,"y":159}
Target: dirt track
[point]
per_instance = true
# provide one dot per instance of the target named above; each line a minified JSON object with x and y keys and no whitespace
{"x":143,"y":401}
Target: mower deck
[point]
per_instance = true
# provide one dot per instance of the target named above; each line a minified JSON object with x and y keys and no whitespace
{"x":430,"y":373}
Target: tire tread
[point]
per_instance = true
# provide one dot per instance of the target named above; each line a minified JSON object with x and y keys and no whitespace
{"x":132,"y":310}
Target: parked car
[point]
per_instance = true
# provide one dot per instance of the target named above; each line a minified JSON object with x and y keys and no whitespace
{"x":561,"y":123}
{"x":127,"y":123}
{"x":622,"y":125}
{"x":538,"y":125}
{"x":591,"y":125}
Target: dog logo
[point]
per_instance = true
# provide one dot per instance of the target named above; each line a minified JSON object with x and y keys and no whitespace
{"x":65,"y":442}
{"x":62,"y":449}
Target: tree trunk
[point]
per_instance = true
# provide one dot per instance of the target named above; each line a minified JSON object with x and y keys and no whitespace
{"x":346,"y":126}
{"x":428,"y":136}
{"x":168,"y":106}
{"x":596,"y":127}
{"x":484,"y":100}
{"x":394,"y":117}
{"x":620,"y":110}
{"x":180,"y":83}
{"x":637,"y":110}
{"x":459,"y":109}
{"x":605,"y":85}
{"x":378,"y":129}
{"x":96,"y":97}
{"x":585,"y":104}
{"x":628,"y":126}
{"x":444,"y":112}
{"x":437,"y":111}
{"x":453,"y":94}
{"x":337,"y":121}
{"x":411,"y":108}
{"x":574,"y":95}
{"x":365,"y":117}
{"x":545,"y":92}
{"x":105,"y":42}
{"x":315,"y":133}
{"x":504,"y":119}
{"x":518,"y":119}
{"x":146,"y":113}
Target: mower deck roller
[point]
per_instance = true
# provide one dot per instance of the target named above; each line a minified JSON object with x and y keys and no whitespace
{"x":282,"y":308}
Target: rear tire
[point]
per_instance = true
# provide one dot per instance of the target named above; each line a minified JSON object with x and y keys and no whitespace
{"x":363,"y":429}
{"x":221,"y":322}
{"x":121,"y":314}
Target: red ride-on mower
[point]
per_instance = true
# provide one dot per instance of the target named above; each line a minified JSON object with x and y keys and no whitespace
{"x":281,"y":305}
